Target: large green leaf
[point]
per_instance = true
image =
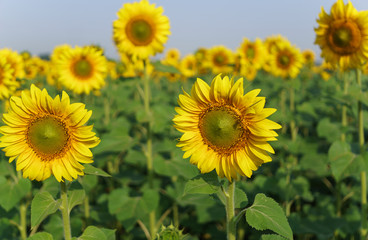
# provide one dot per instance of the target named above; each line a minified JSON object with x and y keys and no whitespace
{"x":207,"y":183}
{"x":265,"y":213}
{"x":76,"y":195}
{"x":89,"y":169}
{"x":95,"y":233}
{"x":43,"y":204}
{"x":12,"y":192}
{"x":41,"y":236}
{"x":341,"y":159}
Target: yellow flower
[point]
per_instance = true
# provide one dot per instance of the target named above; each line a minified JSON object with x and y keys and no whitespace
{"x":225,"y":129}
{"x":47,"y":136}
{"x":15,"y":60}
{"x":309,"y":57}
{"x":286,"y":61}
{"x":252,"y":53}
{"x":248,"y":71}
{"x":172,"y":57}
{"x":141,"y":30}
{"x":82,"y":69}
{"x":220,"y":59}
{"x":343,"y":35}
{"x":188,"y":65}
{"x":8,"y":84}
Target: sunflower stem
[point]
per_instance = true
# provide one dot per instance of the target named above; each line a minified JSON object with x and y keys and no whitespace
{"x":230,"y":212}
{"x":293,"y":129}
{"x":283,"y":108}
{"x":23,"y":221}
{"x":363,"y":175}
{"x":147,"y":96}
{"x":344,"y":121}
{"x":65,"y":212}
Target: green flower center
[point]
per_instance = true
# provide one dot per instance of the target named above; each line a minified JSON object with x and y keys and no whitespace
{"x":284,"y":60}
{"x":344,"y":37}
{"x":139,"y":32}
{"x":47,"y":136}
{"x":341,"y":37}
{"x":83,"y":68}
{"x":222,"y":128}
{"x":250,"y":52}
{"x":220,"y":59}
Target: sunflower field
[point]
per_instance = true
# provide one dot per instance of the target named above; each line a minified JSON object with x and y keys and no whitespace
{"x":260,"y":142}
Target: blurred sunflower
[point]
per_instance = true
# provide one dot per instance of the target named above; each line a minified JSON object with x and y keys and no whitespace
{"x":141,"y":30}
{"x":343,"y":35}
{"x":82,"y":69}
{"x":220,"y":59}
{"x":15,"y":60}
{"x":225,"y":129}
{"x":286,"y":61}
{"x":188,"y":65}
{"x":172,"y":57}
{"x":309,"y":57}
{"x":8,"y":84}
{"x":248,"y":71}
{"x":252,"y":53}
{"x":46,"y":136}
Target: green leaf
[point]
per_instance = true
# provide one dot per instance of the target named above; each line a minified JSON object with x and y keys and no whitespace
{"x":241,"y":199}
{"x":207,"y":183}
{"x":12,"y":192}
{"x":89,"y":169}
{"x":41,"y":236}
{"x":331,"y":131}
{"x":76,"y":195}
{"x":265,"y":213}
{"x":43,"y":204}
{"x":271,"y":237}
{"x":150,"y":199}
{"x":340,"y":158}
{"x":95,"y":233}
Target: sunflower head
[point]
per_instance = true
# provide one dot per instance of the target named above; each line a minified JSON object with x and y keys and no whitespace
{"x":82,"y":69}
{"x":224,"y":129}
{"x":47,"y":136}
{"x":286,"y":61}
{"x":141,"y":29}
{"x":253,"y":53}
{"x":220,"y":59}
{"x":343,"y":35}
{"x":188,"y":65}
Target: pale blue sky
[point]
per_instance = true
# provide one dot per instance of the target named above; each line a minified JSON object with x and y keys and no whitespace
{"x":40,"y":25}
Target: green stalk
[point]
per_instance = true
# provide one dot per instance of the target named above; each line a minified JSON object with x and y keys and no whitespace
{"x":230,"y":212}
{"x":283,"y":108}
{"x":363,"y":175}
{"x":344,"y":121}
{"x":23,"y":221}
{"x":293,"y":129}
{"x":86,"y":210}
{"x":147,"y":96}
{"x":65,"y":212}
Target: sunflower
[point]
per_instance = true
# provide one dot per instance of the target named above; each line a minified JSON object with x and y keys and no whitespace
{"x":225,"y":129}
{"x":343,"y":35}
{"x":141,"y":30}
{"x":82,"y":69}
{"x":248,"y":71}
{"x":309,"y":57}
{"x":252,"y":53}
{"x":220,"y":59}
{"x":47,"y":136}
{"x":8,"y":84}
{"x":286,"y":61}
{"x":172,"y":57}
{"x":188,"y":65}
{"x":15,"y":60}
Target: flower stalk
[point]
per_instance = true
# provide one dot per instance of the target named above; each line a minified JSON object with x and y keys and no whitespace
{"x":230,"y":212}
{"x":65,"y":211}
